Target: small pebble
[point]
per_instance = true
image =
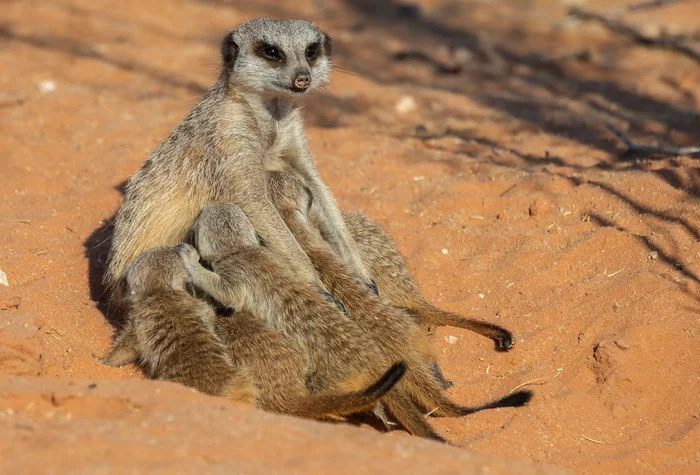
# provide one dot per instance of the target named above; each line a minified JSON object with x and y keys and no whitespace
{"x":451,"y":339}
{"x":3,"y":279}
{"x":445,"y":251}
{"x":421,"y":131}
{"x":46,"y":86}
{"x":405,"y":105}
{"x":653,"y":255}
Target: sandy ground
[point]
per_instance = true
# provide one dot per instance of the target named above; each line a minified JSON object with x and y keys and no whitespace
{"x":499,"y":182}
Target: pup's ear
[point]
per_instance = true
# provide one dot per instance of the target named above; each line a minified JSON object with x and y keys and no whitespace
{"x":191,"y":237}
{"x":310,"y":196}
{"x":229,"y":52}
{"x":327,"y":44}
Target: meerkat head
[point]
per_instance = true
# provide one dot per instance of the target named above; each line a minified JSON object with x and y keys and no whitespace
{"x":277,"y":57}
{"x":288,"y":193}
{"x":220,"y":229}
{"x":155,"y":270}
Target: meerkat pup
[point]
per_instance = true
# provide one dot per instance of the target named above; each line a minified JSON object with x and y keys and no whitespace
{"x":394,"y":331}
{"x":179,"y":338}
{"x":252,"y":278}
{"x":278,"y":369}
{"x":395,"y":283}
{"x":171,"y":333}
{"x":249,"y":122}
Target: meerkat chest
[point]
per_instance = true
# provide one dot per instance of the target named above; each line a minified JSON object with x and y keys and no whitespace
{"x":283,"y":141}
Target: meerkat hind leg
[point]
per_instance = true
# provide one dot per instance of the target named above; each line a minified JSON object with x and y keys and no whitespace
{"x":123,"y":350}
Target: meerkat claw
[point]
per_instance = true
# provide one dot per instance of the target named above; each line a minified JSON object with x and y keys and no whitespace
{"x":373,"y":287}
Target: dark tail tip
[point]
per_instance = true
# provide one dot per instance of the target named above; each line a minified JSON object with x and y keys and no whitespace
{"x":516,"y":399}
{"x":390,"y":378}
{"x":504,"y":340}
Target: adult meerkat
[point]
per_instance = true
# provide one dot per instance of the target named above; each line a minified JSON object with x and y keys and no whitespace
{"x":179,"y":338}
{"x":252,"y":278}
{"x":394,"y":331}
{"x":395,"y":283}
{"x":171,"y":333}
{"x":247,"y":123}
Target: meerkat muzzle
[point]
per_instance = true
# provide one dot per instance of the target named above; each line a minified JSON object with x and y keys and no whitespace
{"x":302,"y":81}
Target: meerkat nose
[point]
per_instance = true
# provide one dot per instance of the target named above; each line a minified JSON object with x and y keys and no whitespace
{"x":303,"y":80}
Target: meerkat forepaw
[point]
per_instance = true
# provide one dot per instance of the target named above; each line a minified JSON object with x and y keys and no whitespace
{"x":187,"y":253}
{"x":337,"y":303}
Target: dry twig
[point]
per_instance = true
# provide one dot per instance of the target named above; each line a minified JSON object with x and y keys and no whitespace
{"x":652,"y":4}
{"x":592,"y":440}
{"x":661,"y":42}
{"x":633,"y":147}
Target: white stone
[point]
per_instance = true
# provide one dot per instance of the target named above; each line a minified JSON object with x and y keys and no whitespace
{"x":47,"y":86}
{"x":406,"y":104}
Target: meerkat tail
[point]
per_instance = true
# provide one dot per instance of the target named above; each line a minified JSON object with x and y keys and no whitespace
{"x":444,"y":407}
{"x":450,"y":409}
{"x":428,"y":313}
{"x":409,"y":416}
{"x":123,"y":350}
{"x":428,"y":394}
{"x":348,"y":403}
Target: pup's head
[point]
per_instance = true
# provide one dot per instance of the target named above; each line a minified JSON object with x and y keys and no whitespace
{"x":155,"y":270}
{"x":220,"y":229}
{"x":288,"y":193}
{"x":277,"y":57}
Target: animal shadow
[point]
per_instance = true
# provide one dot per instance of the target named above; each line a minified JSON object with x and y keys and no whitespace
{"x":97,"y":247}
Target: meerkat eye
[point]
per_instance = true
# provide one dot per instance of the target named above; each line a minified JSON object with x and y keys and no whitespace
{"x":271,"y":52}
{"x":312,"y":51}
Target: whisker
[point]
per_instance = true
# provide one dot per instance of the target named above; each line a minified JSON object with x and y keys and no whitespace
{"x":328,"y":92}
{"x":347,"y":71}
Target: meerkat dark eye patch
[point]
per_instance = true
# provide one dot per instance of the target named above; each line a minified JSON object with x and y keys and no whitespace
{"x":270,"y":52}
{"x":312,"y":51}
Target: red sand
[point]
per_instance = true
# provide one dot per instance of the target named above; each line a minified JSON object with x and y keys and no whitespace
{"x":510,"y":204}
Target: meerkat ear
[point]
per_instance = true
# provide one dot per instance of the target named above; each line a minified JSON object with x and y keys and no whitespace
{"x":327,"y":44}
{"x":229,"y":52}
{"x":191,"y":236}
{"x":311,"y":198}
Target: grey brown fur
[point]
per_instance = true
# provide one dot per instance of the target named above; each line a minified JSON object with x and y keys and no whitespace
{"x":179,"y":338}
{"x":278,"y":368}
{"x":252,"y":278}
{"x":171,"y":333}
{"x":246,"y":124}
{"x":394,"y":331}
